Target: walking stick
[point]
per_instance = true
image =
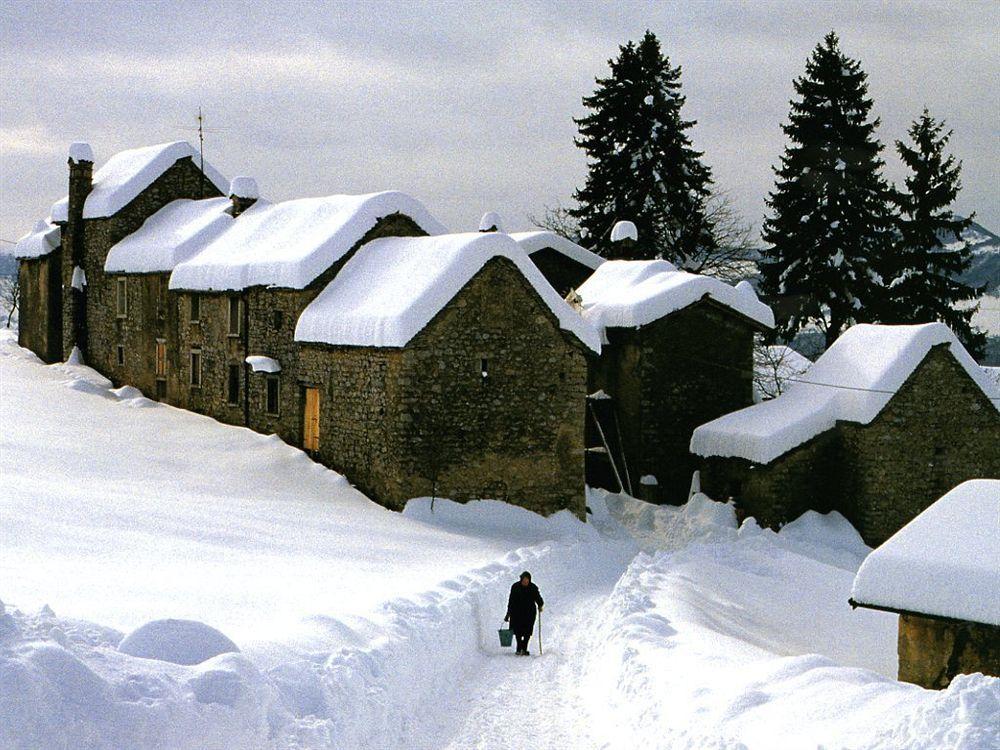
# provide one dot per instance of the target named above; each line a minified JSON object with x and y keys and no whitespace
{"x":539,"y":632}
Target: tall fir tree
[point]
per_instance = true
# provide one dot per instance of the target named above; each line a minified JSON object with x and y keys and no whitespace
{"x":642,"y":167}
{"x":830,"y":230}
{"x":930,"y":253}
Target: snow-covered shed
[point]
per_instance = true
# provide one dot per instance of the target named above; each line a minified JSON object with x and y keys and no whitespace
{"x":941,"y":574}
{"x":885,"y":421}
{"x":448,"y":365}
{"x":565,"y":264}
{"x":678,"y":352}
{"x":39,"y":255}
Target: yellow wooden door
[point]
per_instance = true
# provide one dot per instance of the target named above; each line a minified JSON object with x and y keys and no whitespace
{"x":310,"y":427}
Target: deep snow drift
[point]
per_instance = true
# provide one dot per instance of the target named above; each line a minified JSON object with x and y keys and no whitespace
{"x":359,"y":628}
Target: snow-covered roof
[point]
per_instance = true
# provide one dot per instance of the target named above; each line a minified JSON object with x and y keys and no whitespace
{"x":128,"y":173}
{"x":532,"y":242}
{"x":289,"y":244}
{"x":852,"y":381}
{"x":170,"y":236}
{"x":393,"y":287}
{"x":260,"y":363}
{"x":945,"y":562}
{"x":632,"y":293}
{"x":993,"y":373}
{"x":39,"y":242}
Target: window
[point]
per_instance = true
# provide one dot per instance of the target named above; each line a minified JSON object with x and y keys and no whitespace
{"x":161,"y":358}
{"x":195,"y":308}
{"x":161,"y":296}
{"x":196,"y":368}
{"x":233,"y":391}
{"x":484,"y":368}
{"x":121,"y":297}
{"x":278,"y":319}
{"x":271,"y":402}
{"x":235,"y":316}
{"x":121,"y":355}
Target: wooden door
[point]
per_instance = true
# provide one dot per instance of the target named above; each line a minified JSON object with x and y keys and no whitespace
{"x":310,"y":426}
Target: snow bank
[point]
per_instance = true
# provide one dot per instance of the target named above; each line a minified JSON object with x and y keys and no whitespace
{"x":126,"y":174}
{"x":944,"y":562}
{"x":633,"y":293}
{"x":852,"y":381}
{"x":176,"y":641}
{"x":289,"y":244}
{"x":39,"y":242}
{"x":392,"y":287}
{"x":532,"y":242}
{"x":260,"y":363}
{"x":172,"y":235}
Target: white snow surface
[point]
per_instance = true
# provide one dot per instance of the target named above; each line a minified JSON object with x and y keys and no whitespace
{"x":633,"y":293}
{"x":359,"y":628}
{"x":491,"y":221}
{"x":532,"y":242}
{"x":393,"y":286}
{"x":79,"y":279}
{"x":126,"y":174}
{"x":624,"y":230}
{"x":944,"y":562}
{"x":176,"y":641}
{"x":260,"y":363}
{"x":852,"y":381}
{"x":172,"y":235}
{"x":289,"y":244}
{"x":244,"y":187}
{"x":39,"y":242}
{"x":81,"y":151}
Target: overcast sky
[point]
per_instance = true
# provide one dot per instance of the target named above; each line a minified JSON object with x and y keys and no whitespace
{"x":468,"y":107}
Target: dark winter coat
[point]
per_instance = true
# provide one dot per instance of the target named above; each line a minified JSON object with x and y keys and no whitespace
{"x":521,"y":607}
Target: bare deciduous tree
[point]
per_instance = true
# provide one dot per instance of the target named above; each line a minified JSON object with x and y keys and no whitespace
{"x":10,"y":295}
{"x":774,"y":368}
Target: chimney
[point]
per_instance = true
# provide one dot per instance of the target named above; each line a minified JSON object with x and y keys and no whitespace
{"x":624,"y":237}
{"x":81,"y":178}
{"x":491,"y":222}
{"x":81,"y":182}
{"x":243,"y":193}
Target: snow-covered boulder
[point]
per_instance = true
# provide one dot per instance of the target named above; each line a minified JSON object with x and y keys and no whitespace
{"x":176,"y":641}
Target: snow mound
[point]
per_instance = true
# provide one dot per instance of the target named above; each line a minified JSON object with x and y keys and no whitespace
{"x":852,"y":381}
{"x":244,"y":187}
{"x":633,"y":293}
{"x":392,"y":287}
{"x":624,"y":230}
{"x":289,"y":244}
{"x":666,"y":527}
{"x":491,"y":222}
{"x":944,"y":562}
{"x":126,"y":174}
{"x":532,"y":242}
{"x":39,"y":242}
{"x":172,"y":235}
{"x":176,"y":641}
{"x":80,"y":151}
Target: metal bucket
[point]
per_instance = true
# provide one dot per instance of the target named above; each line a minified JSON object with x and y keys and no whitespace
{"x":506,"y":637}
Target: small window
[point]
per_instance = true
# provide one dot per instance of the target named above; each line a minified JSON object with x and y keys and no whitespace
{"x":161,"y":358}
{"x":121,"y":355}
{"x":121,"y":297}
{"x":271,"y":402}
{"x":233,"y":391}
{"x":195,"y":308}
{"x":484,"y":368}
{"x":278,"y":319}
{"x":196,"y":368}
{"x":235,"y":316}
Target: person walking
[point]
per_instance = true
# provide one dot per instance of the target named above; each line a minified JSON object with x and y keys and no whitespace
{"x":524,"y":602}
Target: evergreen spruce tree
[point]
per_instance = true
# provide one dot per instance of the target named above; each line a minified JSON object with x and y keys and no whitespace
{"x":830,"y":229}
{"x":930,"y":252}
{"x":642,"y":167}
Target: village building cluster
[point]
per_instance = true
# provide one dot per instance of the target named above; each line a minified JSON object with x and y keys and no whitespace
{"x":484,"y":364}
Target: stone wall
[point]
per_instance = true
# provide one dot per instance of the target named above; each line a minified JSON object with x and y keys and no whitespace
{"x":933,"y":651}
{"x":562,"y":272}
{"x":40,"y":306}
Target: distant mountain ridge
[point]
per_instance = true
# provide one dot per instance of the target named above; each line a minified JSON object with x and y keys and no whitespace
{"x":985,"y":267}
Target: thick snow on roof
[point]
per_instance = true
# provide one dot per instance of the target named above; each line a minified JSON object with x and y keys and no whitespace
{"x":128,"y":173}
{"x":944,"y":562}
{"x":170,"y":236}
{"x":39,"y":242}
{"x":393,"y":287}
{"x":289,"y":244}
{"x":852,"y":381}
{"x":532,"y":242}
{"x":260,"y":363}
{"x":632,"y":293}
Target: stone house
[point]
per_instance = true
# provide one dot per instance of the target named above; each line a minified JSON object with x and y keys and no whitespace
{"x":678,"y":351}
{"x":448,"y":366}
{"x":941,"y":573}
{"x":563,"y":263}
{"x":884,"y":422}
{"x":40,"y":276}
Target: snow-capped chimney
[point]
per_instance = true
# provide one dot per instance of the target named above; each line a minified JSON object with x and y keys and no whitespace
{"x":491,"y":222}
{"x":624,"y":235}
{"x":81,"y":178}
{"x":243,"y":193}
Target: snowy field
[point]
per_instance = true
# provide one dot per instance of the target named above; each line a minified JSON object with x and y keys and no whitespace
{"x":361,"y":628}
